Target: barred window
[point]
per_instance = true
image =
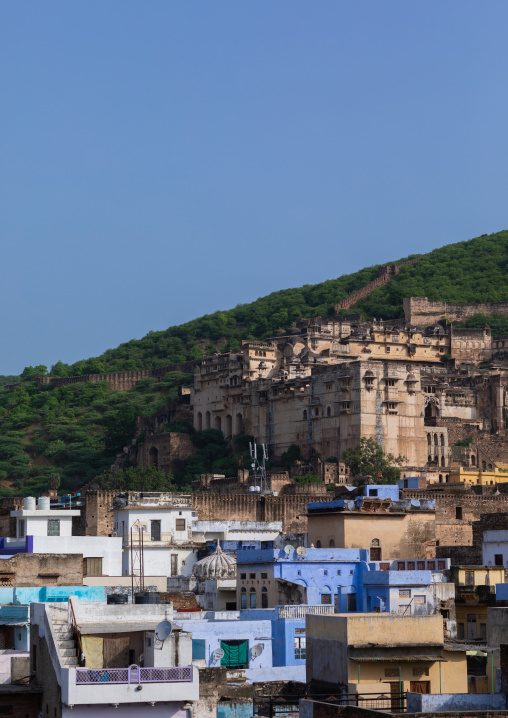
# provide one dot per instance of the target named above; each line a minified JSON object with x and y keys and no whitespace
{"x":300,"y":648}
{"x":419,"y":672}
{"x":53,"y":527}
{"x":391,"y":672}
{"x":180,"y":525}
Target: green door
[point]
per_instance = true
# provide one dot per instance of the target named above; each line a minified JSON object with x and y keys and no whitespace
{"x":236,"y":654}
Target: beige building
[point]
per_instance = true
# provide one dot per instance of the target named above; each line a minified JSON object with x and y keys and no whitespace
{"x":376,"y":652}
{"x":389,"y":534}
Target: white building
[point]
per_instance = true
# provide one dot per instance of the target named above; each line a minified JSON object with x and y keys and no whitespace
{"x":128,"y":671}
{"x":40,"y":529}
{"x":495,"y":548}
{"x":165,"y":523}
{"x":241,"y":532}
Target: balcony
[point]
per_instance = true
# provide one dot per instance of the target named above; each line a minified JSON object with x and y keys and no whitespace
{"x":133,"y":674}
{"x":302,"y":611}
{"x":117,"y":686}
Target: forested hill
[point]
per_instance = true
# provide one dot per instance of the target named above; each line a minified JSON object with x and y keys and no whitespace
{"x":72,"y":433}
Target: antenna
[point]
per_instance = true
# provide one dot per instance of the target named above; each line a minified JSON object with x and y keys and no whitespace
{"x":137,"y":561}
{"x":162,"y":631}
{"x":259,"y":468}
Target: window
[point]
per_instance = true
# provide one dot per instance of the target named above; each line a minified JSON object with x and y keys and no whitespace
{"x":373,"y":492}
{"x":155,"y":530}
{"x":441,"y":565}
{"x":460,"y":631}
{"x":375,"y":550}
{"x":252,"y":598}
{"x":419,"y":672}
{"x":264,"y":597}
{"x":92,"y":567}
{"x":498,"y":559}
{"x":404,"y":593}
{"x":458,"y":512}
{"x":431,"y":565}
{"x":391,"y":672}
{"x":53,"y":527}
{"x":338,"y":572}
{"x":236,"y":654}
{"x":325,"y":572}
{"x":174,"y":564}
{"x":410,"y":565}
{"x":332,"y":543}
{"x":419,"y":599}
{"x":401,"y":565}
{"x":264,"y":575}
{"x":300,"y":648}
{"x":198,"y":649}
{"x":318,"y":544}
{"x":326,"y":599}
{"x":243,"y":599}
{"x":469,"y":578}
{"x":243,"y":575}
{"x":21,"y":528}
{"x":180,"y":525}
{"x":252,"y":575}
{"x":420,"y":565}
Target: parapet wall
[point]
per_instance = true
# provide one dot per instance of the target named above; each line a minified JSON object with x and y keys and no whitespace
{"x":121,"y":380}
{"x":419,"y":311}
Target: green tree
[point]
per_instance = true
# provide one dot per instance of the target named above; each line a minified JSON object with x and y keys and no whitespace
{"x":369,"y":459}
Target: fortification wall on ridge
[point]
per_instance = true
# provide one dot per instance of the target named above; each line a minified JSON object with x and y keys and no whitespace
{"x":419,"y":311}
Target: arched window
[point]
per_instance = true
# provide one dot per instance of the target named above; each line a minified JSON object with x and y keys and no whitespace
{"x":375,"y":550}
{"x":490,"y":467}
{"x":229,"y":425}
{"x":207,"y":420}
{"x":264,"y":597}
{"x":328,"y":411}
{"x":252,"y":597}
{"x":200,"y":421}
{"x":473,"y":460}
{"x":429,"y":459}
{"x":484,"y":466}
{"x":318,"y":544}
{"x":239,"y":423}
{"x":217,"y":423}
{"x":443,"y":461}
{"x":332,"y":543}
{"x":316,"y":411}
{"x":243,"y":598}
{"x":304,"y":414}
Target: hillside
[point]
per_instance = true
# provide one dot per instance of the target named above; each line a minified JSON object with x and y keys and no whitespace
{"x":73,"y":433}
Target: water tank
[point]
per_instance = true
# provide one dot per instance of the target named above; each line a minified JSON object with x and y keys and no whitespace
{"x":29,"y":503}
{"x":118,"y":598}
{"x":147,"y":597}
{"x":43,"y":504}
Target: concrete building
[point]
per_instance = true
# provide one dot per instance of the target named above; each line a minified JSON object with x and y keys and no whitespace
{"x":15,"y":609}
{"x":42,"y":530}
{"x":495,"y":548}
{"x":367,"y":653}
{"x":388,"y":529}
{"x":165,"y":523}
{"x":127,"y":667}
{"x":405,"y":593}
{"x":315,"y":576}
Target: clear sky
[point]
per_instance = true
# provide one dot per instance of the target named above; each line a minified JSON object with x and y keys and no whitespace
{"x":161,"y":160}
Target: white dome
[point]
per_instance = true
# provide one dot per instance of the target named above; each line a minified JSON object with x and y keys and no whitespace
{"x":218,"y":565}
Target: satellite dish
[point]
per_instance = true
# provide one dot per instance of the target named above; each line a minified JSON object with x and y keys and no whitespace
{"x":257,"y":650}
{"x":288,"y":549}
{"x":163,"y":630}
{"x":218,"y":654}
{"x":301,"y":550}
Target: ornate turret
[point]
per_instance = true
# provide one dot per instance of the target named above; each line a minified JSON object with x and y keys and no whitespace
{"x":216,"y":566}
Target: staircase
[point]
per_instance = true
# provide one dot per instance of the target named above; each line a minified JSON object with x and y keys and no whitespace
{"x":64,"y":637}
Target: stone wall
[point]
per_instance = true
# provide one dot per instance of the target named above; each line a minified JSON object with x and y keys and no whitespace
{"x":420,"y":311}
{"x":21,"y":702}
{"x":163,"y":451}
{"x":39,"y":569}
{"x":121,"y":380}
{"x":290,"y":510}
{"x":386,"y":273}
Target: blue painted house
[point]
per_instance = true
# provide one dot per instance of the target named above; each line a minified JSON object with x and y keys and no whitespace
{"x":332,"y":576}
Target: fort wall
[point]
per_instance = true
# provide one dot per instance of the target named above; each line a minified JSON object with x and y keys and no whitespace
{"x":121,"y":380}
{"x":419,"y":311}
{"x":386,"y":273}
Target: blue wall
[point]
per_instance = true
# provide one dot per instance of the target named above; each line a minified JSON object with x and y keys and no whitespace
{"x":24,"y":596}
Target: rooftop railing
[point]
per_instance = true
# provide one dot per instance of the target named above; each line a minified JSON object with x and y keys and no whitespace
{"x":133,"y":674}
{"x":302,"y":611}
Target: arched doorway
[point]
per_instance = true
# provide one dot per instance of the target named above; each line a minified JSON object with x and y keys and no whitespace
{"x":229,"y":425}
{"x":239,"y":424}
{"x":217,"y":423}
{"x":153,"y":457}
{"x":199,"y":421}
{"x":207,"y":420}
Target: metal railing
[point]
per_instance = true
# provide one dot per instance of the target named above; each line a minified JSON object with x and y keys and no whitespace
{"x":271,"y":707}
{"x":133,"y":674}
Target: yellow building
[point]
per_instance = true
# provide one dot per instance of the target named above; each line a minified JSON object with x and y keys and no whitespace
{"x":368,"y":653}
{"x":474,"y":592}
{"x":490,"y":477}
{"x":388,"y":535}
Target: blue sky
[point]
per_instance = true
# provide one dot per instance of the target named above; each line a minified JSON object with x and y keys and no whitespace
{"x":162,"y":160}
